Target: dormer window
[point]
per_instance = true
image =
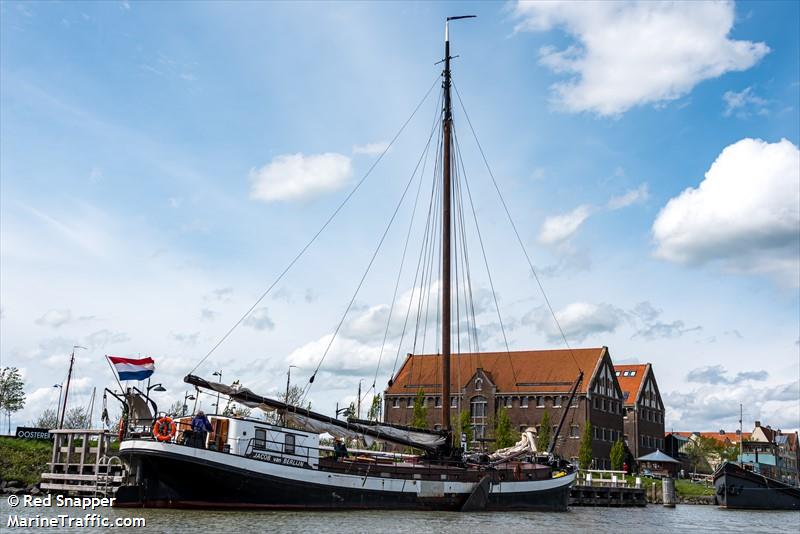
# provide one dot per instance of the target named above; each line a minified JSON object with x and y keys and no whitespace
{"x":478,"y":384}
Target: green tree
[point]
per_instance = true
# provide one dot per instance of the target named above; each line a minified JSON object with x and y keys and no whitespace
{"x":617,"y":455}
{"x":12,"y":393}
{"x":419,"y":417}
{"x":543,"y":438}
{"x":504,"y":435}
{"x":233,"y":409}
{"x":585,"y":451}
{"x":699,"y":451}
{"x":464,"y":426}
{"x":375,"y":408}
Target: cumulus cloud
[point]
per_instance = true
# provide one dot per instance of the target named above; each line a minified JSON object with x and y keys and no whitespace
{"x":346,"y":356}
{"x":55,"y":318}
{"x":712,"y":407}
{"x":745,"y":214}
{"x":371,"y":149}
{"x":744,"y":103}
{"x":626,"y":54}
{"x":259,"y":320}
{"x":578,"y":320}
{"x":717,"y":374}
{"x":297,"y":176}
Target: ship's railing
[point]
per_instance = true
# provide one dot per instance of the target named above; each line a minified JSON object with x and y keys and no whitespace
{"x":605,"y":478}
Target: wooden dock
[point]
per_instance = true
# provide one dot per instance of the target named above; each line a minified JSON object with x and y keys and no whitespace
{"x":595,"y":488}
{"x":82,"y":464}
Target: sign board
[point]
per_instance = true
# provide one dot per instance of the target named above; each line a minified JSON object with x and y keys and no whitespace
{"x":27,"y":432}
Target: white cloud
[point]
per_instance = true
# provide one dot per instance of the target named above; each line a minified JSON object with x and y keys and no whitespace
{"x":559,"y":228}
{"x":371,"y":149}
{"x":634,"y":196}
{"x":297,"y":176}
{"x":55,"y":318}
{"x":627,"y":54}
{"x":578,"y":320}
{"x":744,"y":103}
{"x":259,"y":320}
{"x":346,"y":356}
{"x":744,"y":214}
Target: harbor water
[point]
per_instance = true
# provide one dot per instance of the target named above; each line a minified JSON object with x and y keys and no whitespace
{"x":653,"y":518}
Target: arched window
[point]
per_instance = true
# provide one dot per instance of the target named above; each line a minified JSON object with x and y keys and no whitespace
{"x":478,"y":384}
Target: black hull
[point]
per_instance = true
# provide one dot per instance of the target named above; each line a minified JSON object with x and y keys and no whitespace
{"x":742,"y":489}
{"x":167,"y":480}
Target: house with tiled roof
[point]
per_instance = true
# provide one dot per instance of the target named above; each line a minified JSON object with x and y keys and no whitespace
{"x":643,"y":417}
{"x":527,"y":383}
{"x":773,"y":453}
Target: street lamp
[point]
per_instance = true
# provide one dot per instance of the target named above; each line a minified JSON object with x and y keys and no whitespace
{"x":186,"y":396}
{"x":58,"y":406}
{"x":156,"y":387}
{"x":219,"y":374}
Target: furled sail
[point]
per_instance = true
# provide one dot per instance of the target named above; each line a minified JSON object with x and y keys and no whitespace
{"x":317,"y":422}
{"x":525,"y":445}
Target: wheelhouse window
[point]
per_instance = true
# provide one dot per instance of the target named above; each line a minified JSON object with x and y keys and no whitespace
{"x":260,"y":440}
{"x":288,"y":444}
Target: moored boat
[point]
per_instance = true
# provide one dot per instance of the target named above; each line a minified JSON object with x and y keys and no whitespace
{"x":737,"y":487}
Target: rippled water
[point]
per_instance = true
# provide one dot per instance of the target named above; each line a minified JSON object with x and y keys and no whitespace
{"x":684,"y":518}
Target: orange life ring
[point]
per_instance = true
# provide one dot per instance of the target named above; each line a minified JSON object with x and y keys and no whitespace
{"x":164,"y":429}
{"x":121,"y":433}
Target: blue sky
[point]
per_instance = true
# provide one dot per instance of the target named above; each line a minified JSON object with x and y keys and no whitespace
{"x":161,"y":163}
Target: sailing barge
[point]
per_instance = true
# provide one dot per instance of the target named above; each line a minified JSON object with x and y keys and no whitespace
{"x":740,"y":488}
{"x":247,"y":463}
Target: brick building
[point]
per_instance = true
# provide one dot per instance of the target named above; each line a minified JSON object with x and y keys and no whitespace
{"x":527,"y":383}
{"x":643,"y":417}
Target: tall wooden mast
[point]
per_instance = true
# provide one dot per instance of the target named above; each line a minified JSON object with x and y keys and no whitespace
{"x":447,"y":193}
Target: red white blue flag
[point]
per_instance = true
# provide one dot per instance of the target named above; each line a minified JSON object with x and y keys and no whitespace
{"x":133,"y":368}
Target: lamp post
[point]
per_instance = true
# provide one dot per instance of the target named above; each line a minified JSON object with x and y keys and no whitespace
{"x":219,"y":374}
{"x":58,"y":406}
{"x":186,"y":396}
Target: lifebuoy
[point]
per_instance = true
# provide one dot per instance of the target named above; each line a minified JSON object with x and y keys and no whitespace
{"x":121,"y":433}
{"x":164,"y":429}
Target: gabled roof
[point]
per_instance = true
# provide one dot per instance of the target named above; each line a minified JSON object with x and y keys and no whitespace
{"x":732,"y":437}
{"x":631,"y":378}
{"x":530,"y":371}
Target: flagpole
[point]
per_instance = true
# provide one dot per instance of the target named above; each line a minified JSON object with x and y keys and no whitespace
{"x":114,"y":372}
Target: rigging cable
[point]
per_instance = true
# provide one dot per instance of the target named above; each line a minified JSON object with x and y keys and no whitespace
{"x":314,"y":238}
{"x":516,"y":232}
{"x":364,"y":276}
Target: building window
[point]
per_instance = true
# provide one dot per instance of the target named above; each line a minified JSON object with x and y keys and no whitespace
{"x":605,"y":434}
{"x":395,"y":402}
{"x":523,"y":402}
{"x":478,"y":384}
{"x":595,"y":403}
{"x":288,"y":445}
{"x":437,"y":402}
{"x":574,"y":431}
{"x":409,"y":403}
{"x":556,"y":402}
{"x":540,"y":402}
{"x":616,"y":373}
{"x":260,"y":441}
{"x":453,"y":402}
{"x":480,"y":431}
{"x":596,"y":432}
{"x":509,"y":402}
{"x":575,"y":401}
{"x":477,"y":407}
{"x":626,"y":394}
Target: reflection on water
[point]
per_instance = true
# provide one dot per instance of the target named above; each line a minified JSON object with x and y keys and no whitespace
{"x":684,"y":518}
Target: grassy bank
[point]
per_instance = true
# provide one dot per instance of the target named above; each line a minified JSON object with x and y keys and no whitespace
{"x":24,"y":460}
{"x":686,"y":488}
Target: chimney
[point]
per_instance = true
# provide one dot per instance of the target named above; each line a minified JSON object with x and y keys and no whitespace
{"x":758,"y":424}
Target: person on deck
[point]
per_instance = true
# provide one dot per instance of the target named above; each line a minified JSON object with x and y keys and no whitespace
{"x":201,"y":426}
{"x":339,"y":449}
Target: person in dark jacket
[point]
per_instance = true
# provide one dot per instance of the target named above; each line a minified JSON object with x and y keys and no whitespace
{"x":339,"y":449}
{"x":201,"y":426}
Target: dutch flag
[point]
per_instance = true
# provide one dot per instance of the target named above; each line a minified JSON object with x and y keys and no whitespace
{"x":133,"y":368}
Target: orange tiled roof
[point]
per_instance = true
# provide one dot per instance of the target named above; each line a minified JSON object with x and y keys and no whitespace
{"x":733,"y":437}
{"x":529,"y":371}
{"x":630,"y":384}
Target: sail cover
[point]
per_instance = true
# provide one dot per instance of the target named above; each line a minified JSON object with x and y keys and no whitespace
{"x":525,"y":445}
{"x":319,"y":423}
